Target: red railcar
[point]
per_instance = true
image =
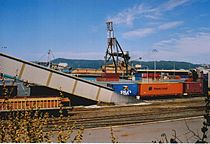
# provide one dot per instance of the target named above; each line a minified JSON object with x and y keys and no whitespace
{"x":193,"y":88}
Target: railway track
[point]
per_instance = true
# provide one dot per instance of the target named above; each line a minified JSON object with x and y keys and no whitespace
{"x":132,"y":114}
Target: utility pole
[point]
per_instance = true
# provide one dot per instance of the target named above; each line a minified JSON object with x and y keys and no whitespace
{"x":174,"y":68}
{"x":155,"y":51}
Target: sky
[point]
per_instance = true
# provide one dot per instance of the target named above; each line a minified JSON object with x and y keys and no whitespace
{"x":76,"y":29}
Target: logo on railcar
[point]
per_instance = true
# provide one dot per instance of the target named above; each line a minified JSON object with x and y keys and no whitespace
{"x":125,"y":91}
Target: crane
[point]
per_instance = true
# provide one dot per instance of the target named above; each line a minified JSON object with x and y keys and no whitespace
{"x":114,"y":52}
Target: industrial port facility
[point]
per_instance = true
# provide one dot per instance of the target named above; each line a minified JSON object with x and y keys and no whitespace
{"x":106,"y":71}
{"x":117,"y":94}
{"x":115,"y":83}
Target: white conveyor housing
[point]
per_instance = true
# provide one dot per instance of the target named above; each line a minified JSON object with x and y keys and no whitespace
{"x":40,"y":75}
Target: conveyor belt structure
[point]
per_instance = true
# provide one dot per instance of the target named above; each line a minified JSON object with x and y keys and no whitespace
{"x":40,"y":75}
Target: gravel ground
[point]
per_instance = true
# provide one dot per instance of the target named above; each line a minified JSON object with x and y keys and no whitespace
{"x":144,"y":122}
{"x":148,"y":132}
{"x":148,"y":111}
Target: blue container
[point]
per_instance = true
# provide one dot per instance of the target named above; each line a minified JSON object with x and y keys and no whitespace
{"x":138,"y":76}
{"x":129,"y":89}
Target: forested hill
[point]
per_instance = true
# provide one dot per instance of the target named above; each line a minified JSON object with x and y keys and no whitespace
{"x":95,"y":64}
{"x":75,"y":63}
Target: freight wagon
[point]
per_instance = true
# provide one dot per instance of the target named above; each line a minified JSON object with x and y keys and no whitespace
{"x":193,"y":88}
{"x":160,"y":89}
{"x":33,"y":103}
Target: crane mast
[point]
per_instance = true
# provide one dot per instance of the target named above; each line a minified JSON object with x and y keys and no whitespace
{"x":114,"y":52}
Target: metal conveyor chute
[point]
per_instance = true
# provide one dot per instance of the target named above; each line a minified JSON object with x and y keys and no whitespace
{"x":33,"y":73}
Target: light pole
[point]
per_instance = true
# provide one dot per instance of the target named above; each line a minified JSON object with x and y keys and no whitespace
{"x":174,"y":68}
{"x":154,"y":51}
{"x":147,"y":74}
{"x":140,"y":58}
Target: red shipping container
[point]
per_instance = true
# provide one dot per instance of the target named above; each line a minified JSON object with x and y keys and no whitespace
{"x":108,"y":77}
{"x":150,"y":75}
{"x":160,"y":89}
{"x":193,"y":88}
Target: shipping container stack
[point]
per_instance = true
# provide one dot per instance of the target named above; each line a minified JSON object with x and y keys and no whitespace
{"x":108,"y":77}
{"x":193,"y":86}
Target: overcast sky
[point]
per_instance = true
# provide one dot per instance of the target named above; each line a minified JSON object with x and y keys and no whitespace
{"x":76,"y":29}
